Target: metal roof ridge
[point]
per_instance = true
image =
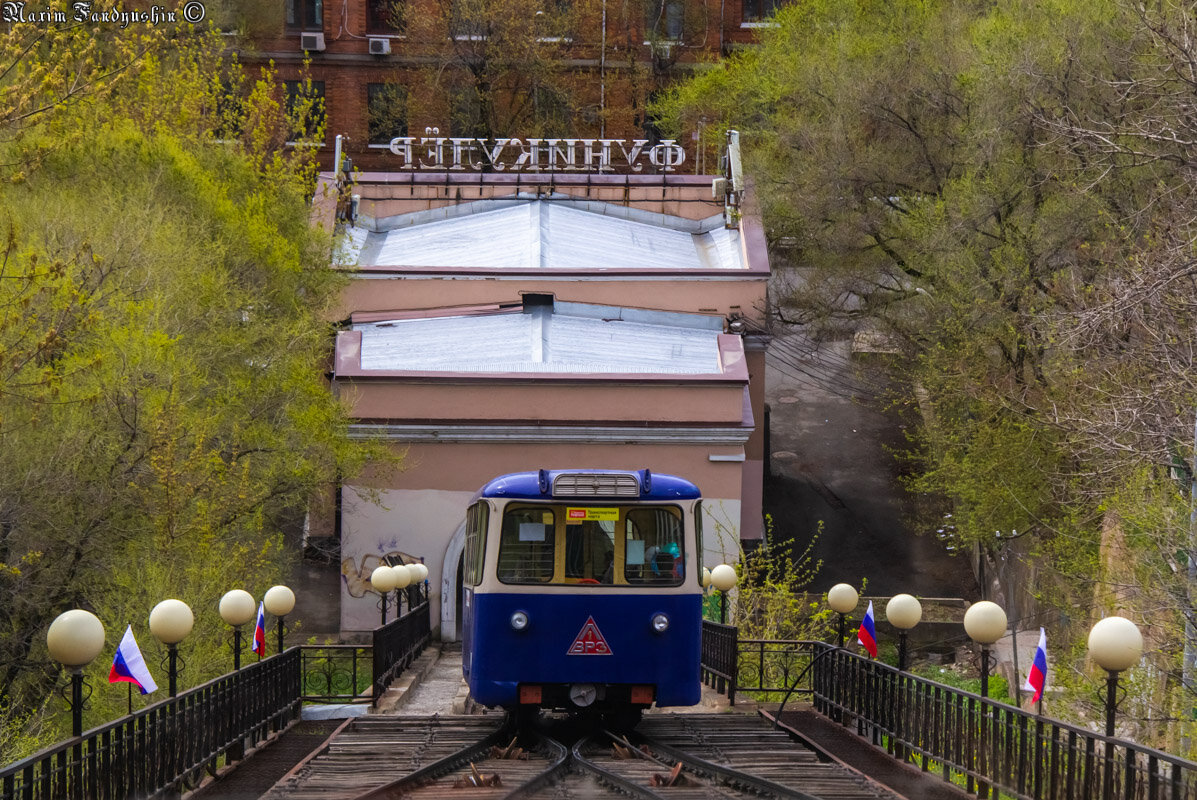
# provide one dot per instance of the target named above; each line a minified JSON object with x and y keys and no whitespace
{"x":658,"y":219}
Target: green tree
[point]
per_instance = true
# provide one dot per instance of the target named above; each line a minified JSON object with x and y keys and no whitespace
{"x":1005,"y":192}
{"x":163,"y":328}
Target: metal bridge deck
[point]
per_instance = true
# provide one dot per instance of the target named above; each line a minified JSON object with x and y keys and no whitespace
{"x":304,"y":762}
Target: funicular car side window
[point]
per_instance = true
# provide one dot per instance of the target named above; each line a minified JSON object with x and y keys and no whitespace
{"x":476,"y":520}
{"x":653,"y":547}
{"x":527,"y":546}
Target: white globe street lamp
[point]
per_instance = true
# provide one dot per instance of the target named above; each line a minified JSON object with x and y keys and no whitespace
{"x":74,"y":639}
{"x":170,"y":622}
{"x":1116,"y":645}
{"x":383,"y":579}
{"x":985,"y":623}
{"x":903,"y":612}
{"x":236,"y":608}
{"x":279,"y":601}
{"x":723,"y":578}
{"x":843,"y":599}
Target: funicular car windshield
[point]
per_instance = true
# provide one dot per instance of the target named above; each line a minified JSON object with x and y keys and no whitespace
{"x":598,"y":545}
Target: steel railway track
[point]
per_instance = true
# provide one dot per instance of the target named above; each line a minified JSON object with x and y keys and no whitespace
{"x":689,"y":757}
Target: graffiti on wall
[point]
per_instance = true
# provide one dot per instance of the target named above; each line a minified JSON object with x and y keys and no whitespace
{"x":355,"y":573}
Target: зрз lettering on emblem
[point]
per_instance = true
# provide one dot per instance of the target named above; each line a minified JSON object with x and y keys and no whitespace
{"x":589,"y":642}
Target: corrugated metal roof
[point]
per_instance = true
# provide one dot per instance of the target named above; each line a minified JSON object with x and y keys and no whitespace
{"x":537,"y":341}
{"x":556,"y":235}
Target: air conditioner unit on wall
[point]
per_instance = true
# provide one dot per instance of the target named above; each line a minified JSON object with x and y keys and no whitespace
{"x":311,"y":42}
{"x":380,"y":47}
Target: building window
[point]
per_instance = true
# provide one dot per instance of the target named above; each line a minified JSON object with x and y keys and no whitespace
{"x":386,"y":112}
{"x":664,"y":19}
{"x":305,"y":14}
{"x":759,"y":10}
{"x":385,"y":16}
{"x":468,"y":19}
{"x":550,"y":111}
{"x":467,"y":120}
{"x":305,"y":110}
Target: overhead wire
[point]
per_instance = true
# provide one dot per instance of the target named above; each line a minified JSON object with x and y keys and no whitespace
{"x":809,"y":372}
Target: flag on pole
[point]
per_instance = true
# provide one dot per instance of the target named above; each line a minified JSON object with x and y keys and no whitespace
{"x":129,"y":666}
{"x":867,"y":635}
{"x":259,"y":645}
{"x":1037,"y":677}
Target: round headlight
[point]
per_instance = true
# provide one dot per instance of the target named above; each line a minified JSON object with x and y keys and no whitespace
{"x":660,"y":623}
{"x":519,"y":621}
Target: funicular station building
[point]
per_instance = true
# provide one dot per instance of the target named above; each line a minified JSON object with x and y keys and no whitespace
{"x":500,"y":322}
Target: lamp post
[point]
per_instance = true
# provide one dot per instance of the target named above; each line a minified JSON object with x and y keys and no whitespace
{"x":421,"y":579}
{"x":405,"y":576}
{"x":383,"y":580}
{"x":723,"y":578}
{"x":170,"y":622}
{"x":279,"y":600}
{"x":236,"y":608}
{"x":74,"y":639}
{"x":903,"y":612}
{"x":843,"y":599}
{"x":985,"y":623}
{"x":1116,"y":644}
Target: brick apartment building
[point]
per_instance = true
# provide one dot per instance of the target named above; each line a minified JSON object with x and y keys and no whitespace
{"x":495,"y":68}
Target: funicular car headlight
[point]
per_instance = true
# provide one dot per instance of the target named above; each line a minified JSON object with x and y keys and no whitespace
{"x":519,"y":621}
{"x":660,"y":623}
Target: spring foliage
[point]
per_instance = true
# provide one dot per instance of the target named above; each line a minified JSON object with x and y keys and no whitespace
{"x":1006,"y":192}
{"x":162,"y":338}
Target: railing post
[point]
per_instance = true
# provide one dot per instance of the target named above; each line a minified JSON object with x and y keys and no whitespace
{"x":735,"y":666}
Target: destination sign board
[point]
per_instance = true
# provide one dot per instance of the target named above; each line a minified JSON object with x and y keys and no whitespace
{"x":537,"y":155}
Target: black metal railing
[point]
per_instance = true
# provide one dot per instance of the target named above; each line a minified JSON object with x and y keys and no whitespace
{"x":719,"y":658}
{"x":987,"y":746}
{"x":397,"y":643}
{"x":165,"y":747}
{"x":337,"y":673}
{"x":769,"y":667}
{"x":346,"y":673}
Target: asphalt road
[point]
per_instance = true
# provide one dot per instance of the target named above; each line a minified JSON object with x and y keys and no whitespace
{"x":832,"y":443}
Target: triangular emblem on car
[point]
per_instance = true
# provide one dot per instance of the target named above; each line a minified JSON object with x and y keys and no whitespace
{"x":589,"y":641}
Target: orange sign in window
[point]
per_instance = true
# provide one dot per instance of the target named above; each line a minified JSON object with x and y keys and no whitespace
{"x":592,"y":515}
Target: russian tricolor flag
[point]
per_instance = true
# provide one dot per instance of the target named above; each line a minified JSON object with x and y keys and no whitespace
{"x":259,"y":645}
{"x":1037,"y":677}
{"x":129,"y":666}
{"x":867,"y":635}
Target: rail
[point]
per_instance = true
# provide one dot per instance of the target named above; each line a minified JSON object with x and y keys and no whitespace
{"x":167,"y":746}
{"x":397,"y":643}
{"x":985,"y":746}
{"x":988,"y":746}
{"x":765,"y":667}
{"x":718,"y":658}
